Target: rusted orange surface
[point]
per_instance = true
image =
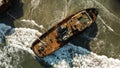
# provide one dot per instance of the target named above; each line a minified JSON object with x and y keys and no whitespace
{"x":60,"y":33}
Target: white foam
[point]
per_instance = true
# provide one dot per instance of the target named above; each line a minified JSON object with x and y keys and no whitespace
{"x":5,"y":59}
{"x":31,"y":23}
{"x":66,"y":57}
{"x":22,"y":38}
{"x":77,"y":57}
{"x":9,"y":58}
{"x":19,"y":41}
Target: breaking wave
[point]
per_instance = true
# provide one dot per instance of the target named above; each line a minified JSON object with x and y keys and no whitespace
{"x":69,"y":56}
{"x":16,"y":43}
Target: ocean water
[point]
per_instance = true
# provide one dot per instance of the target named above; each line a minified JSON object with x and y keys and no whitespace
{"x":96,"y":47}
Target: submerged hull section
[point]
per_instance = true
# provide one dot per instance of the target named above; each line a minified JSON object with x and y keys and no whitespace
{"x":61,"y":32}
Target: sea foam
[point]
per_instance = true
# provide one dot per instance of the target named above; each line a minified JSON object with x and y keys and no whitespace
{"x":69,"y":56}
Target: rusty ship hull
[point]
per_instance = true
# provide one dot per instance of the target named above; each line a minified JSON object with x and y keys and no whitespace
{"x":60,"y":33}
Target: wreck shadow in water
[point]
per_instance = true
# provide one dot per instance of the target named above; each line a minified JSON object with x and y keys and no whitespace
{"x":85,"y":37}
{"x":14,"y":11}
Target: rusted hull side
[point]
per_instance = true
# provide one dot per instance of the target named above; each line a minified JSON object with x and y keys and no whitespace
{"x":60,"y":33}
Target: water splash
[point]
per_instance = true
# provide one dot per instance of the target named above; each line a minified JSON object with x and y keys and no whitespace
{"x":5,"y":51}
{"x":22,"y":39}
{"x":16,"y":44}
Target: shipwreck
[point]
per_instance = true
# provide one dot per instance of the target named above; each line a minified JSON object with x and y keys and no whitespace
{"x":60,"y":33}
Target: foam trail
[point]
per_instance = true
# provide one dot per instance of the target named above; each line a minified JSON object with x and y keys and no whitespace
{"x":68,"y":3}
{"x":35,"y":3}
{"x":64,"y":13}
{"x":32,"y":23}
{"x":105,"y":23}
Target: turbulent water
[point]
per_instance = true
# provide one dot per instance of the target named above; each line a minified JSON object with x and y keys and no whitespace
{"x":17,"y":37}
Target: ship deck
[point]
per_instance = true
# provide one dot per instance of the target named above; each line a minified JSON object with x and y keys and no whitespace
{"x":59,"y":34}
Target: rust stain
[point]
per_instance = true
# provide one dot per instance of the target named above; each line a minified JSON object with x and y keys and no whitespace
{"x":59,"y":34}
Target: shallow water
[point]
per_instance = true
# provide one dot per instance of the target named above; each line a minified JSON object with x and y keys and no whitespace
{"x":22,"y":24}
